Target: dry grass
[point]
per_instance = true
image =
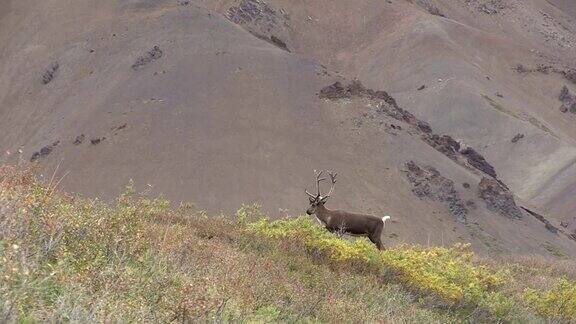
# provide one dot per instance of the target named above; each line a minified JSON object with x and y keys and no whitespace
{"x":70,"y":259}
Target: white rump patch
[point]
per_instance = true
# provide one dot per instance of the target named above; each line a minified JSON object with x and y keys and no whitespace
{"x":385,"y":218}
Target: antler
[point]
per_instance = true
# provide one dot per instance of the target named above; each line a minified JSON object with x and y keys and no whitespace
{"x":318,"y":180}
{"x":333,"y":180}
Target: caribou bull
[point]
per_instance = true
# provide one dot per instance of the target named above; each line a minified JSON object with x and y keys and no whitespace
{"x":341,"y":221}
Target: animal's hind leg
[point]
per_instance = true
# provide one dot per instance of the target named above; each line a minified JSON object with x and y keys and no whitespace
{"x":376,"y":240}
{"x":376,"y":236}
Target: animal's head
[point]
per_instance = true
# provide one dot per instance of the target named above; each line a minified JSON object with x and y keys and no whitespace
{"x":314,"y":203}
{"x":319,"y":200}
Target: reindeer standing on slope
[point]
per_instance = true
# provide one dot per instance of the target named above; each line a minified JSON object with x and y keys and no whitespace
{"x":341,"y":221}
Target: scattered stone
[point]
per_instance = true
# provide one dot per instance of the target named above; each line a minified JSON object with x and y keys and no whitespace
{"x":491,"y":7}
{"x":79,"y":139}
{"x":120,"y":127}
{"x":498,"y":94}
{"x":427,"y":182}
{"x":520,"y":68}
{"x":498,"y":198}
{"x":422,"y":87}
{"x":517,"y":137}
{"x":358,"y":122}
{"x":564,"y":224}
{"x":50,"y":73}
{"x":98,"y":140}
{"x":152,"y":55}
{"x":44,"y":152}
{"x":183,"y":2}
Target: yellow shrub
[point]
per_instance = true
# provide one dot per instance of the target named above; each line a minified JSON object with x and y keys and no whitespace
{"x":315,"y":237}
{"x":559,"y":302}
{"x":447,"y":273}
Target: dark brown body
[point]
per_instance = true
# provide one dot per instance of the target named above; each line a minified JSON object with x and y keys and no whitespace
{"x":349,"y":223}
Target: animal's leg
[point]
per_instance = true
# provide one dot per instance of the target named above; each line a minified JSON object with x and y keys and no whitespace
{"x":376,"y":241}
{"x":376,"y":236}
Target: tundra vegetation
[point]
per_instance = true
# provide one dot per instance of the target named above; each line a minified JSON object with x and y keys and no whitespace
{"x":66,"y":258}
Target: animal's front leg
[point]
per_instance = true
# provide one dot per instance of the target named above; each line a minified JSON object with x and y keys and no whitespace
{"x":331,"y":230}
{"x":340,"y":231}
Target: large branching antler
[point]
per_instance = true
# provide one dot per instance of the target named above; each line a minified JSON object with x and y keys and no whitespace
{"x":320,"y":179}
{"x":333,"y":180}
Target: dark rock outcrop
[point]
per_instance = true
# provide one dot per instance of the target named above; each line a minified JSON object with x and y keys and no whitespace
{"x":43,"y":152}
{"x":570,"y":227}
{"x":50,"y":73}
{"x":568,"y":100}
{"x":97,"y":140}
{"x":430,"y":8}
{"x":476,"y":160}
{"x":248,"y":11}
{"x":498,"y":198}
{"x":150,"y":56}
{"x":278,"y":42}
{"x":427,"y":182}
{"x":261,"y":20}
{"x":568,"y":73}
{"x":79,"y":139}
{"x":517,"y":137}
{"x":442,"y":143}
{"x":543,"y":219}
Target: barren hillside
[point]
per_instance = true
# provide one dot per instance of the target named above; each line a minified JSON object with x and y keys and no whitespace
{"x":457,"y":118}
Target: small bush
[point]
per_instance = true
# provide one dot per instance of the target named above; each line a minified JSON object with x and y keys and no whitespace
{"x":558,"y":303}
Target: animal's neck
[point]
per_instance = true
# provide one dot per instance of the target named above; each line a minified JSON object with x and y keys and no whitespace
{"x":322,"y":212}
